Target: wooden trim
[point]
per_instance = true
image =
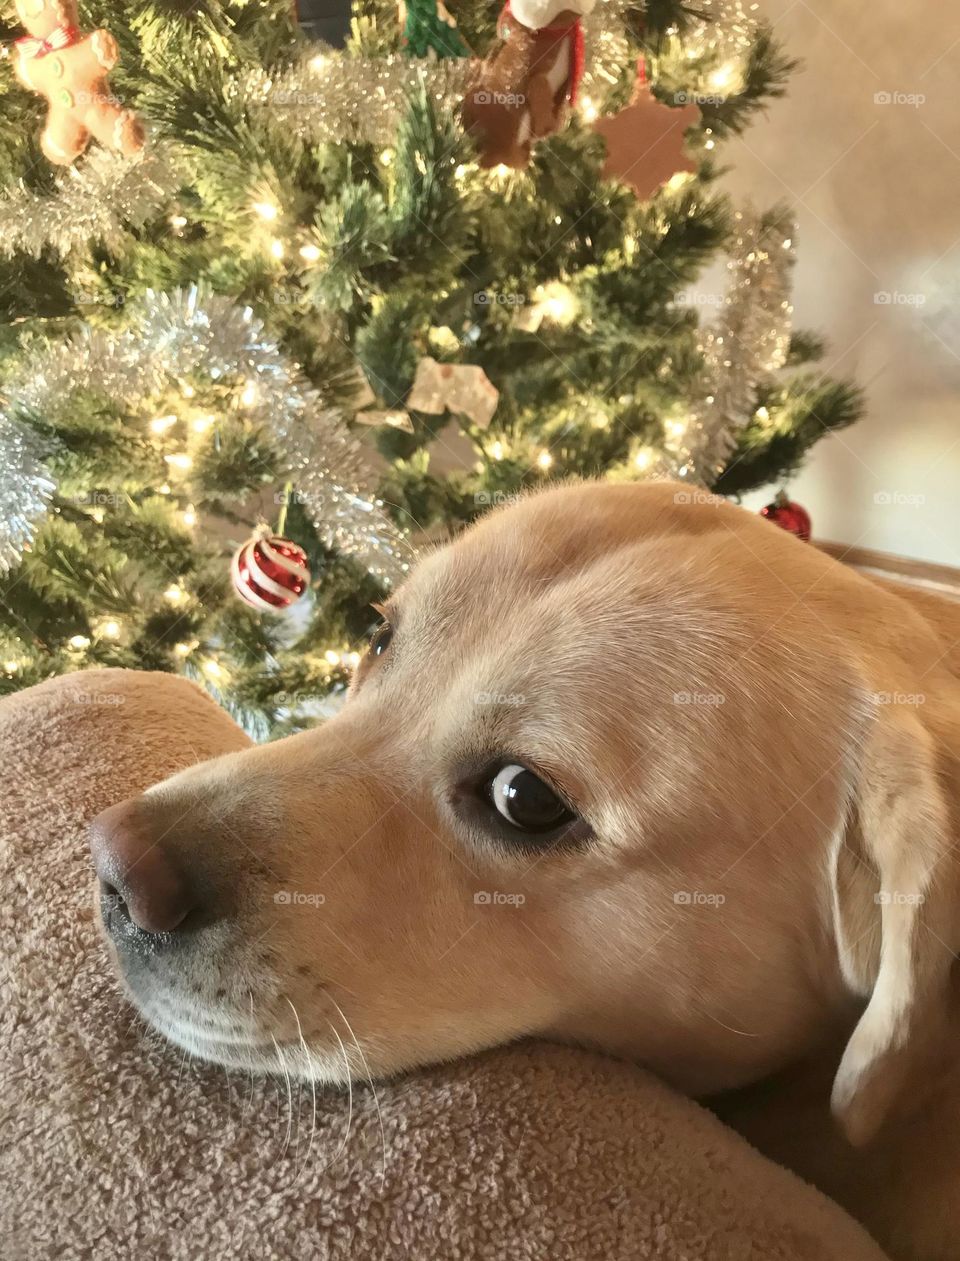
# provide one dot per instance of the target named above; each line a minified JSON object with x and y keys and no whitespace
{"x":917,"y":573}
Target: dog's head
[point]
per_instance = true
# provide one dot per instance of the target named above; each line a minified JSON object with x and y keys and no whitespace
{"x":615,"y":770}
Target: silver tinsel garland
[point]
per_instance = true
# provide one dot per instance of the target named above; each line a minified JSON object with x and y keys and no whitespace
{"x":25,"y":490}
{"x":727,"y":28}
{"x":334,"y":99}
{"x":329,"y":97}
{"x":749,"y":341}
{"x":95,"y":200}
{"x":724,"y":29}
{"x":176,"y":336}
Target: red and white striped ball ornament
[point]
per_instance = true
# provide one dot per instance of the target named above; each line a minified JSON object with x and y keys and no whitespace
{"x":270,"y":573}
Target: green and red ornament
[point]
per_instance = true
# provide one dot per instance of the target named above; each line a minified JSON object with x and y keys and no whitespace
{"x":789,"y":516}
{"x":269,"y":572}
{"x":430,"y":30}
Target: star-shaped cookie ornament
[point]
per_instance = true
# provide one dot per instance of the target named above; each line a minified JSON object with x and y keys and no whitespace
{"x":645,"y":142}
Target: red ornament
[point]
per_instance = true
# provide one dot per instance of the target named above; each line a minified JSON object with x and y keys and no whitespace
{"x":789,"y":516}
{"x":270,"y":573}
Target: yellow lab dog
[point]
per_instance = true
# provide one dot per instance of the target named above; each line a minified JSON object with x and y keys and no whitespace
{"x":624,"y":766}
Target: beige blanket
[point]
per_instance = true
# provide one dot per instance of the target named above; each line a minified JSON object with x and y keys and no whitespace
{"x":112,"y":1146}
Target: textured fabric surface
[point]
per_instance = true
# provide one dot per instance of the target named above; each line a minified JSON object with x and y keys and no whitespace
{"x":111,"y":1146}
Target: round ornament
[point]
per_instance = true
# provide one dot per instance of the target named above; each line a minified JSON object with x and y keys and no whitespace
{"x":270,"y":573}
{"x":789,"y":516}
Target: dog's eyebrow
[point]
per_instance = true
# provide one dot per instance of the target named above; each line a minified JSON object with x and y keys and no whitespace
{"x":389,"y":610}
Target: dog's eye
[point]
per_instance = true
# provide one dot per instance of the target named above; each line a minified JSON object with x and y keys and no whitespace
{"x":380,"y":639}
{"x":525,"y":801}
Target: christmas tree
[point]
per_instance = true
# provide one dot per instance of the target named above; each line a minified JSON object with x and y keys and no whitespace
{"x":297,"y":294}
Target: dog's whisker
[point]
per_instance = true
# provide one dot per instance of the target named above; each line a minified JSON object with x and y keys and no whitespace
{"x":313,"y":1091}
{"x":286,"y":1077}
{"x":346,"y":1066}
{"x":743,"y":1033}
{"x":249,"y":1099}
{"x":369,"y":1077}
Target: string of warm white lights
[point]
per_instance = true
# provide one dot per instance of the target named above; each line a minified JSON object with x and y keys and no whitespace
{"x":173,"y":338}
{"x":336,"y":98}
{"x":749,"y":341}
{"x":718,"y":31}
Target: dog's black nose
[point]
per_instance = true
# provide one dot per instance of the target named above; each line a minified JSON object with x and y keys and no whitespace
{"x":137,"y":875}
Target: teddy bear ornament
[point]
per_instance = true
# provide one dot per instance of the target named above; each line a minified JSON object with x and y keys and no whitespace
{"x":70,"y":69}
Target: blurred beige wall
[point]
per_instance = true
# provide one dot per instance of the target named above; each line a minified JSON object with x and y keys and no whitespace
{"x":866,"y":148}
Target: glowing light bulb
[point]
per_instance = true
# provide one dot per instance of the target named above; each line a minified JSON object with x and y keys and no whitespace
{"x":179,"y":460}
{"x":762,"y":413}
{"x":352,"y":659}
{"x":175,"y":594}
{"x":178,"y":221}
{"x":559,"y":303}
{"x":185,"y":647}
{"x":722,"y":77}
{"x":386,"y":157}
{"x":190,"y":515}
{"x":318,"y":63}
{"x":642,"y":459}
{"x":332,"y":658}
{"x":249,"y":395}
{"x":678,"y":181}
{"x":78,"y":641}
{"x":266,"y":210}
{"x":164,"y":489}
{"x":109,"y":629}
{"x":496,"y":450}
{"x":460,"y":172}
{"x":710,"y":144}
{"x":11,"y":667}
{"x":276,"y":248}
{"x":202,"y":423}
{"x":588,"y":109}
{"x":544,"y":460}
{"x":98,"y":514}
{"x":162,"y":423}
{"x":213,"y":669}
{"x":310,"y":253}
{"x":188,"y":391}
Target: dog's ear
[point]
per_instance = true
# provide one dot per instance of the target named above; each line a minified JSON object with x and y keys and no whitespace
{"x":895,"y":907}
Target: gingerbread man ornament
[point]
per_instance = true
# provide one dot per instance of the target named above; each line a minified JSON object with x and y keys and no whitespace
{"x":70,"y":70}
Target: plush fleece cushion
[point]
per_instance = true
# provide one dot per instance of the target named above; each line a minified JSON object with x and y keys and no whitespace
{"x":113,"y":1146}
